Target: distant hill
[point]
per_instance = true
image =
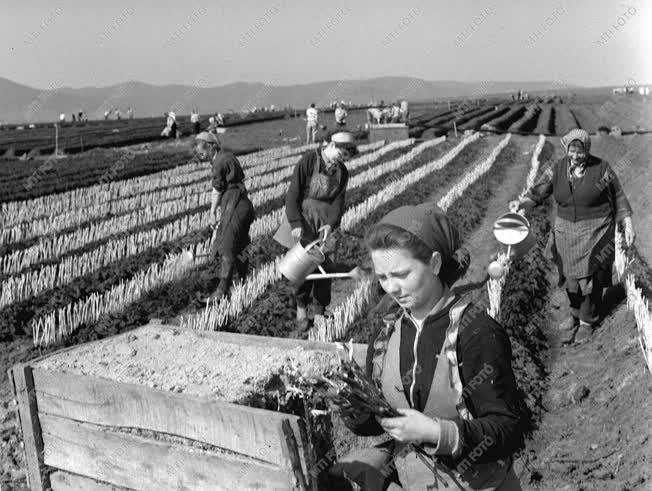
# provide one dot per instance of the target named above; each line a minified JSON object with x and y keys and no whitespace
{"x":23,"y":104}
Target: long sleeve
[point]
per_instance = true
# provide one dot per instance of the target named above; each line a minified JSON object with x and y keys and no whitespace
{"x":621,"y":204}
{"x":543,"y":187}
{"x":490,"y":392}
{"x":294,"y":196}
{"x":337,"y":208}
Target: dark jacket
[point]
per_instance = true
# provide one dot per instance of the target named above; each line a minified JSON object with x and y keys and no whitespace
{"x":300,"y":185}
{"x":492,"y":398}
{"x":595,"y":195}
{"x":227,"y":171}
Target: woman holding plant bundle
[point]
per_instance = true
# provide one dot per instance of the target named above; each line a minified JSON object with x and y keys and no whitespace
{"x":231,"y":237}
{"x":590,"y":201}
{"x":314,"y":205}
{"x":443,"y":365}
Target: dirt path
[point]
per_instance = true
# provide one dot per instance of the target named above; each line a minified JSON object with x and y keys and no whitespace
{"x":595,"y":431}
{"x":482,"y":244}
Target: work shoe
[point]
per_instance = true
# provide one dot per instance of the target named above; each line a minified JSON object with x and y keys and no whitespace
{"x":567,"y":330}
{"x":584,"y":332}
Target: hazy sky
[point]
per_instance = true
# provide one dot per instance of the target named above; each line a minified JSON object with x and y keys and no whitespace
{"x":50,"y":43}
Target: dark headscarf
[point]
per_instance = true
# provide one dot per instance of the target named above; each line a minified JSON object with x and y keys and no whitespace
{"x":430,"y":224}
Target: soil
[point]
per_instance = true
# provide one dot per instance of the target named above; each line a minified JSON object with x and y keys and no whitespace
{"x":157,"y":356}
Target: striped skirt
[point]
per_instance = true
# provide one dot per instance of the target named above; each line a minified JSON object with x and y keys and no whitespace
{"x":583,"y":251}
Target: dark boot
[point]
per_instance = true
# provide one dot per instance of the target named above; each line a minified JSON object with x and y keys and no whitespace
{"x":584,"y":332}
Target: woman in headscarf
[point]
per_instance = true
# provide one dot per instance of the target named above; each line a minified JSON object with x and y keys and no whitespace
{"x":236,"y":212}
{"x":443,"y":364}
{"x":590,"y":202}
{"x":314,"y":205}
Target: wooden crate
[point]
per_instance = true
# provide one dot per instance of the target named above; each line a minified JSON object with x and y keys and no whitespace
{"x":68,"y":423}
{"x":388,"y":132}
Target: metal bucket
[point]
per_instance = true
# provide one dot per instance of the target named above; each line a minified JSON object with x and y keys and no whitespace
{"x":300,"y":261}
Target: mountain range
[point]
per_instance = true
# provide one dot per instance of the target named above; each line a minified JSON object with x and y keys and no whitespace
{"x":22,"y":104}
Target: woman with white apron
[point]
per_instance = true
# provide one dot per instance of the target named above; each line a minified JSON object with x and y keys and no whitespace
{"x":314,"y":206}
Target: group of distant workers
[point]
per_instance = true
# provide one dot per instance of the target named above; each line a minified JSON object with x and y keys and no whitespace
{"x":171,"y":127}
{"x":397,"y":112}
{"x":82,"y":116}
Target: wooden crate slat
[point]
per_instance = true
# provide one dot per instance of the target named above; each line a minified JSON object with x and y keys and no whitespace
{"x":23,"y":386}
{"x":241,"y":429}
{"x":359,"y":350}
{"x":65,"y":481}
{"x":143,"y":464}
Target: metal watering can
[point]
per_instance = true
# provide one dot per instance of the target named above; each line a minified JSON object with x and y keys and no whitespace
{"x":300,"y":261}
{"x":513,"y":230}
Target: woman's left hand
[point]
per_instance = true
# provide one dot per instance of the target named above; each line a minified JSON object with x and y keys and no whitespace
{"x":411,"y":426}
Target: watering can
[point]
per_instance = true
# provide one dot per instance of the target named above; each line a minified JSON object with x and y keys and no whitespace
{"x":513,"y":230}
{"x":299,"y":262}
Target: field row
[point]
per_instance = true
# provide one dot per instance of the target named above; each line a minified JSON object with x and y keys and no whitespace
{"x":268,"y":223}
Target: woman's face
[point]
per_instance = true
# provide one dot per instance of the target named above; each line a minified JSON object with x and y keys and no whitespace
{"x":334,"y":154}
{"x":576,"y":153}
{"x":412,"y":283}
{"x":203,"y":150}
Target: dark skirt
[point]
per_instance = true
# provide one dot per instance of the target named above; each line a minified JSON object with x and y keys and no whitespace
{"x":233,"y":231}
{"x":195,"y":128}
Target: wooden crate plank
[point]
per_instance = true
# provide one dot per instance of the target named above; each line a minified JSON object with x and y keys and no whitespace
{"x":65,"y":481}
{"x":359,"y":349}
{"x":143,"y":464}
{"x":241,"y":429}
{"x":23,"y":385}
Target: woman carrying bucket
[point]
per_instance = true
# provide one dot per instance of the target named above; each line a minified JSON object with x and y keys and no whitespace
{"x":314,"y":206}
{"x":236,"y":212}
{"x":590,"y":202}
{"x":441,"y":362}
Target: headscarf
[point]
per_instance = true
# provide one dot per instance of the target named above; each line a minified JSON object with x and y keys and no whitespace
{"x":430,"y":224}
{"x":577,"y":134}
{"x":582,"y":136}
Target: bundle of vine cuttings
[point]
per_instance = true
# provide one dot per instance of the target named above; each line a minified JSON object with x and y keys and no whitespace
{"x":353,"y":391}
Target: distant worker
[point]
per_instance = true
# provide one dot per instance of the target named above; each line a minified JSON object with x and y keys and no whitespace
{"x":405,"y":111}
{"x":312,"y":117}
{"x":395,"y":115}
{"x":220,"y":119}
{"x":231,"y":237}
{"x":340,"y":115}
{"x":171,"y":125}
{"x":130,"y":113}
{"x":62,"y":117}
{"x":106,"y":115}
{"x":212,"y":125}
{"x":118,"y":116}
{"x":194,"y":119}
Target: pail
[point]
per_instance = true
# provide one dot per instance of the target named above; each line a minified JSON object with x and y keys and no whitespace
{"x":300,"y":261}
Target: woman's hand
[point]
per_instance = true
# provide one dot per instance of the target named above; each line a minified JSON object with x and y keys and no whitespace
{"x":296,"y":233}
{"x":630,"y":234}
{"x":523,"y":204}
{"x":411,"y":426}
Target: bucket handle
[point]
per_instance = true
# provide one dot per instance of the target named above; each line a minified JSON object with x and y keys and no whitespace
{"x":318,"y":239}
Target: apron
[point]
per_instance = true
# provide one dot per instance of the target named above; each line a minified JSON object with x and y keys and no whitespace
{"x":445,"y":400}
{"x":314,"y":207}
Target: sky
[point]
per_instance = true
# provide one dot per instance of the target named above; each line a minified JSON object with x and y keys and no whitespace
{"x":77,"y":43}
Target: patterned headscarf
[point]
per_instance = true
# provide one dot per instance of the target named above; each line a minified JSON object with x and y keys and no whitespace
{"x":577,"y":134}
